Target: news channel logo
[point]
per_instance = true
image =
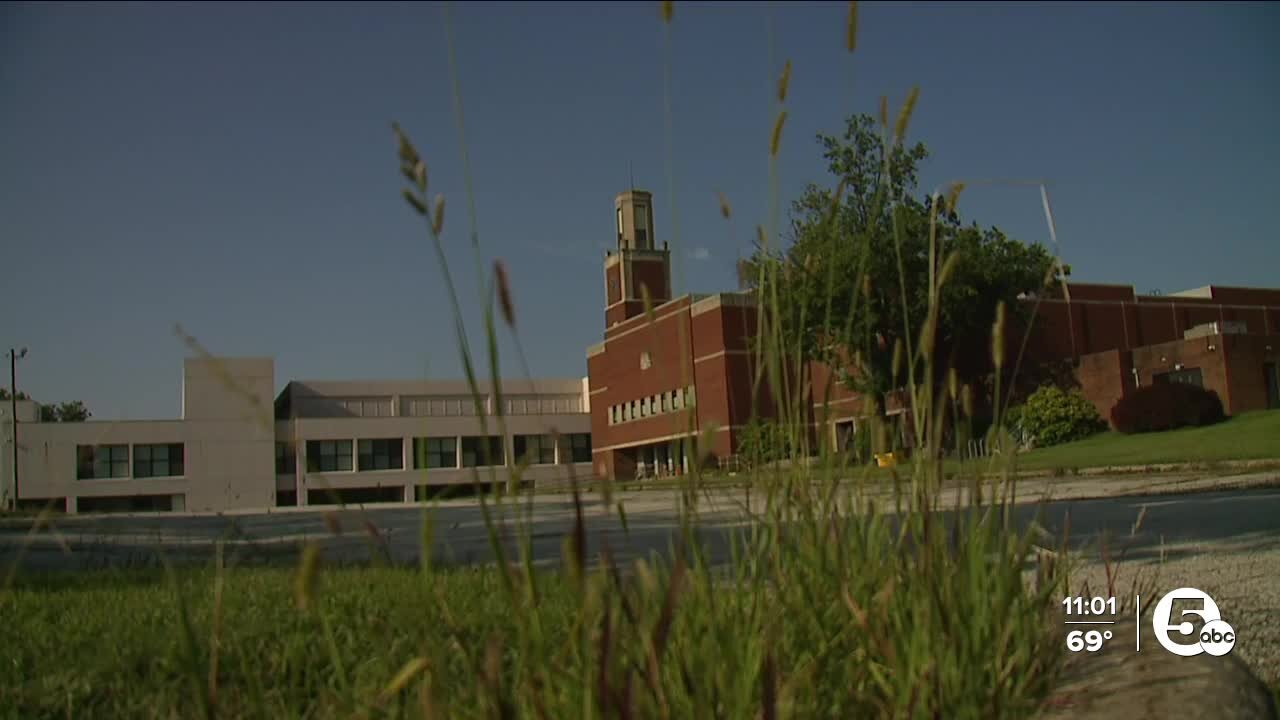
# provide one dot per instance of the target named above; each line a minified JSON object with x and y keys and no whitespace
{"x":1216,"y":636}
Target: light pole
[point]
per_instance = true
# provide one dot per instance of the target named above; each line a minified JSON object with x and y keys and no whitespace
{"x":14,"y":355}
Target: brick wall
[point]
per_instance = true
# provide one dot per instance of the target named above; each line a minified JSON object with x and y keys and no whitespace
{"x":1204,"y":353}
{"x":1247,"y":356}
{"x":1104,"y":378}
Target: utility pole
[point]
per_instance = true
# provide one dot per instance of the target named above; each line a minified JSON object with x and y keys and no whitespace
{"x":13,"y":411}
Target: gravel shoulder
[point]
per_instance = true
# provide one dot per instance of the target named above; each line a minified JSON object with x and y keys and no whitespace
{"x":1242,"y":576}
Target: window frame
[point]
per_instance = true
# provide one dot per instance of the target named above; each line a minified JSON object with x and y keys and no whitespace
{"x":538,"y":445}
{"x":476,"y":451}
{"x":319,"y":457}
{"x":111,"y":461}
{"x":144,"y":456}
{"x":445,"y":446}
{"x":577,"y":449}
{"x":380,"y":449}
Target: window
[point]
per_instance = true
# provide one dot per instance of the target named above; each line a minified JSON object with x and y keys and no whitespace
{"x":100,"y":462}
{"x":286,"y":458}
{"x":436,"y":452}
{"x":646,"y":360}
{"x":1186,"y":376}
{"x":575,"y":447}
{"x":535,"y":449}
{"x":483,"y":451}
{"x":328,"y":456}
{"x":158,"y":460}
{"x":642,"y":226}
{"x":381,"y":454}
{"x":619,"y":223}
{"x":665,"y":402}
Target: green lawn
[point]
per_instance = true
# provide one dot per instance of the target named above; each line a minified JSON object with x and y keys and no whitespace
{"x":836,"y":621}
{"x":1249,"y":436}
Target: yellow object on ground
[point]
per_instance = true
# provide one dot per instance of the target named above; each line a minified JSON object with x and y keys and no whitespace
{"x":886,"y":460}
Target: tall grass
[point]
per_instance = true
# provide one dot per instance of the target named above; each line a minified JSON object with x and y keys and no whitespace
{"x":827,"y":606}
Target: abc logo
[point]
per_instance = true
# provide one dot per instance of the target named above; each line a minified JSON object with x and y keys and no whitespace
{"x":1216,"y":636}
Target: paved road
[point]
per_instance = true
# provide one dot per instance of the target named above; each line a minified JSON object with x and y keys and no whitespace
{"x":1174,"y":525}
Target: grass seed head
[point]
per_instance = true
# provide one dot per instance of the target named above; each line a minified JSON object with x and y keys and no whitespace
{"x":904,"y":115}
{"x":725,"y":210}
{"x":414,"y":202}
{"x":784,"y":81}
{"x":776,"y":139}
{"x":504,"y":293}
{"x":437,"y":217}
{"x":953,"y":196}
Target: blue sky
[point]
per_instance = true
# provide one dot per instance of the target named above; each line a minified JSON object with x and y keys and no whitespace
{"x":230,"y":167}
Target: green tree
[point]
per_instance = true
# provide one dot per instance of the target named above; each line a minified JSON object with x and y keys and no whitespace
{"x":854,"y":281}
{"x":73,"y":411}
{"x":4,"y":395}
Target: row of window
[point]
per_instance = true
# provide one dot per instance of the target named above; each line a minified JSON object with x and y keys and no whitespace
{"x":670,"y":401}
{"x":102,"y":462}
{"x":431,"y":452}
{"x":457,"y":406}
{"x":543,"y":405}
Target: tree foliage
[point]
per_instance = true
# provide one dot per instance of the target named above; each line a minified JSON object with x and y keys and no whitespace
{"x":855,"y":280}
{"x":1052,"y":416}
{"x":73,"y":411}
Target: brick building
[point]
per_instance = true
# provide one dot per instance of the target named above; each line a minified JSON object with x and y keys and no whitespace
{"x":688,"y":355}
{"x":1225,"y":339}
{"x":686,"y":352}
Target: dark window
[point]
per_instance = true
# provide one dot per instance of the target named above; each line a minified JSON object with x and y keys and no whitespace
{"x":99,"y":462}
{"x":286,"y":498}
{"x":355,"y":496}
{"x":385,"y":454}
{"x":483,"y":451}
{"x":580,"y":447}
{"x":576,"y":448}
{"x":1186,"y":376}
{"x":441,"y":452}
{"x":158,"y":460}
{"x":286,"y":458}
{"x":535,"y":449}
{"x":328,"y":456}
{"x":126,"y":503}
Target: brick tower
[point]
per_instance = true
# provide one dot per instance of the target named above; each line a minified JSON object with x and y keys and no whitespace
{"x":636,"y":263}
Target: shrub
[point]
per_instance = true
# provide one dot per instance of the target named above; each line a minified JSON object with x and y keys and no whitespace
{"x":1052,"y":416}
{"x":764,"y":441}
{"x":1164,"y":406}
